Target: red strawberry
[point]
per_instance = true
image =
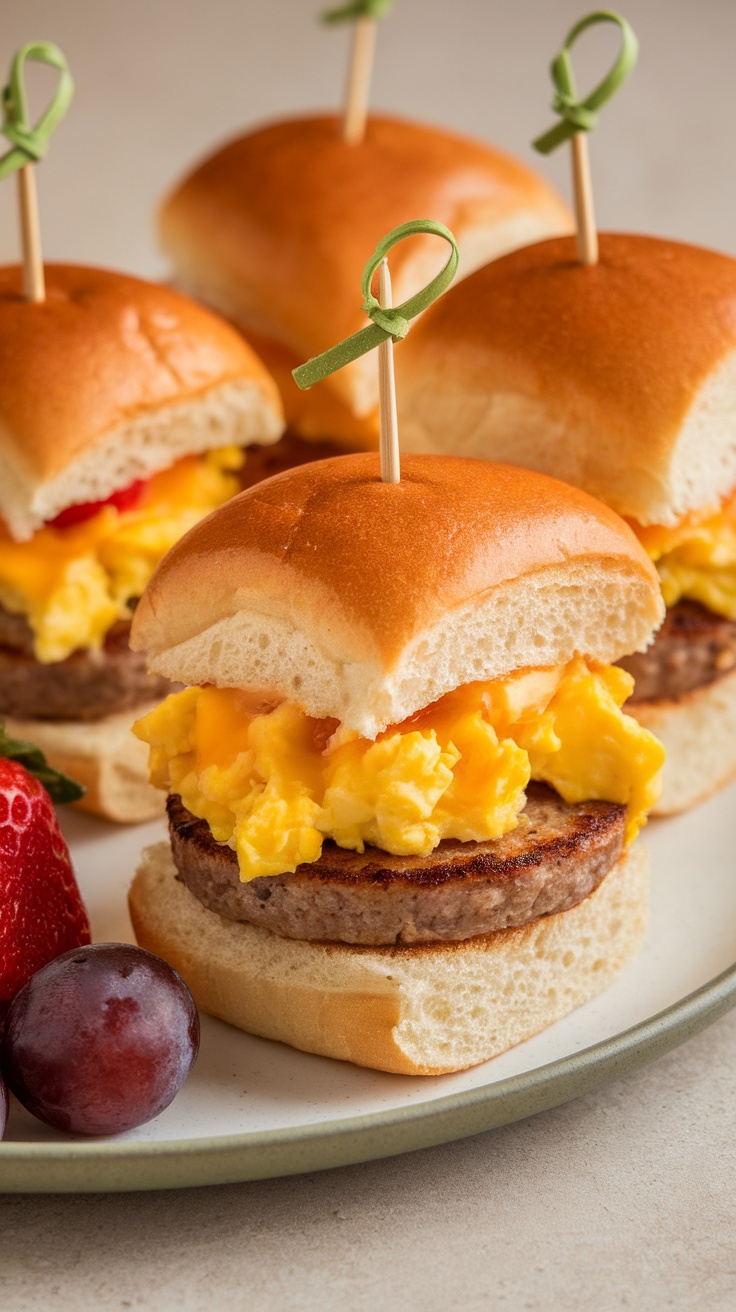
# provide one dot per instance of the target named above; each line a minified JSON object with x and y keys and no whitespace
{"x":41,"y":910}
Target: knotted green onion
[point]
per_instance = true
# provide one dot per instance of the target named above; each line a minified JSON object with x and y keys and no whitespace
{"x":373,"y":9}
{"x":29,"y":143}
{"x":579,"y":115}
{"x":385,"y":323}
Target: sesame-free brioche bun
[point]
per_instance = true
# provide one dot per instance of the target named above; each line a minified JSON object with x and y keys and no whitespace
{"x":111,"y":379}
{"x":410,"y":1010}
{"x":274,"y":229}
{"x":365,"y":601}
{"x":619,"y":378}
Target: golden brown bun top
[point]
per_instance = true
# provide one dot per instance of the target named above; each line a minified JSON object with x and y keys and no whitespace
{"x":587,"y":372}
{"x":363,"y":563}
{"x":286,"y":216}
{"x":101,"y":349}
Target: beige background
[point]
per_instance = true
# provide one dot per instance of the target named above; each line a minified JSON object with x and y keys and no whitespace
{"x":626,"y":1198}
{"x":159,"y":81}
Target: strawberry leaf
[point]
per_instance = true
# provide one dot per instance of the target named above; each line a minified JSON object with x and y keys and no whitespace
{"x":58,"y":785}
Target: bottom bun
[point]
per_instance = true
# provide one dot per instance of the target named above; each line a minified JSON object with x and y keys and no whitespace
{"x":410,"y":1010}
{"x":105,"y":757}
{"x":698,"y":732}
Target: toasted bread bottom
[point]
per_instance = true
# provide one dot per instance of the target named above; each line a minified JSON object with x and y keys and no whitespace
{"x":419,"y":1010}
{"x":698,"y":731}
{"x":105,"y":757}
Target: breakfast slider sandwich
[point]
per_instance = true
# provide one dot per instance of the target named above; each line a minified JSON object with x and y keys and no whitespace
{"x":619,"y":377}
{"x":403,"y":797}
{"x":272,"y":229}
{"x":124,"y":411}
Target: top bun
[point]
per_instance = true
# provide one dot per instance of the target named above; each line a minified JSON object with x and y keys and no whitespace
{"x":274,"y":230}
{"x":365,"y":601}
{"x":620,"y":377}
{"x":109,"y":380}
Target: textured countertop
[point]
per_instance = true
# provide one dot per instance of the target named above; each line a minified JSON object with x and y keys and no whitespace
{"x":624,"y":1198}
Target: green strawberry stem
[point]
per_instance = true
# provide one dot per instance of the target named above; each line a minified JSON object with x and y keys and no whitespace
{"x":58,"y":785}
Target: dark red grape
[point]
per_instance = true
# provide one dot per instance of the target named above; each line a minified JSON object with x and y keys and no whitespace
{"x":3,"y":1108}
{"x":101,"y":1039}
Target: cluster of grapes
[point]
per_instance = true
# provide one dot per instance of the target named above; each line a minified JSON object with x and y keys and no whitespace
{"x":99,"y":1040}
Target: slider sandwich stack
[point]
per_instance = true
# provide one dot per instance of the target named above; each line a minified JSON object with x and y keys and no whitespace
{"x":403,"y":798}
{"x":124,"y":411}
{"x":620,"y":378}
{"x":272,"y":232}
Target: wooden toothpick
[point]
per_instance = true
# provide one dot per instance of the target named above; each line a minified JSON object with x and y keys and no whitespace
{"x":34,"y":282}
{"x":389,"y":440}
{"x":579,"y":115}
{"x":387,"y":323}
{"x":359,"y":80}
{"x":29,"y":143}
{"x":587,"y":233}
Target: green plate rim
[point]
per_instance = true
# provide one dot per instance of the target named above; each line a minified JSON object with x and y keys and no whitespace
{"x":225,"y":1159}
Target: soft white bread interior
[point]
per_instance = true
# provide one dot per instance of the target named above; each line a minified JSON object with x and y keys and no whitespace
{"x":413,"y":1011}
{"x":365,"y":601}
{"x":278,"y":224}
{"x":698,"y":732}
{"x":111,"y":379}
{"x":105,"y":757}
{"x":619,"y":378}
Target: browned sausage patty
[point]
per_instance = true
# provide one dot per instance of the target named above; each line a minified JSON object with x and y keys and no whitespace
{"x":550,"y":862}
{"x":85,"y":686}
{"x":693,"y":648}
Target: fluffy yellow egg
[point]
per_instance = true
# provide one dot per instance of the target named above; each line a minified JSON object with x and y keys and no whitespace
{"x":72,"y":584}
{"x":274,"y":783}
{"x":697,"y":558}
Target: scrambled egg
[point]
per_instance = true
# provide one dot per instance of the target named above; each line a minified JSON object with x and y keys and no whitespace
{"x":274,"y":783}
{"x":697,"y":558}
{"x":72,"y":584}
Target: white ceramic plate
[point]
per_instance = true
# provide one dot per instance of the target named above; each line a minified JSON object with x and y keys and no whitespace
{"x":252,"y":1108}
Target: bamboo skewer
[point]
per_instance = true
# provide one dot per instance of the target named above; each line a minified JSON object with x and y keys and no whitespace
{"x":34,"y":282}
{"x":381,"y":331}
{"x":359,"y":80}
{"x":389,"y":439}
{"x":578,"y":116}
{"x":587,"y":233}
{"x":29,"y":143}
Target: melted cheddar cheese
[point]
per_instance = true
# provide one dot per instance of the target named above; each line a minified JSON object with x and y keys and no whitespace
{"x":72,"y":584}
{"x":697,"y":558}
{"x":274,"y":783}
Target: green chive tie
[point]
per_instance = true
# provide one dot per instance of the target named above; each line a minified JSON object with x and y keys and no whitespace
{"x":29,"y":143}
{"x":580,"y":115}
{"x":384,"y":323}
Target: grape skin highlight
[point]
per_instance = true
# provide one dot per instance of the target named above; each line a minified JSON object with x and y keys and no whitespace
{"x":100,"y":1040}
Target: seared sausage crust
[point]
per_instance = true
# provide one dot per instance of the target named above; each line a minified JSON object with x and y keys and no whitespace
{"x":551,"y":861}
{"x":693,"y":648}
{"x":86,"y":686}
